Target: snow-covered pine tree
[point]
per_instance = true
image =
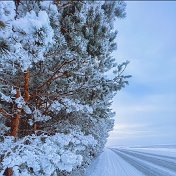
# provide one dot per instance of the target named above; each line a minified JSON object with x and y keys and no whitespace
{"x":55,"y":95}
{"x":89,"y":32}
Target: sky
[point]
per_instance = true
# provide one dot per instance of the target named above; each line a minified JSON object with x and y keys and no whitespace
{"x":146,"y":108}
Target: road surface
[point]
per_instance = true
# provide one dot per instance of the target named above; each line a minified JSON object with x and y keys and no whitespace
{"x":129,"y":162}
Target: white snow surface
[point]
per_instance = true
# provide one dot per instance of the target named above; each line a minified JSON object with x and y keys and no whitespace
{"x":145,"y":161}
{"x":110,"y":164}
{"x":160,"y":150}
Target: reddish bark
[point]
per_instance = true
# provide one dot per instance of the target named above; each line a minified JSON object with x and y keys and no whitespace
{"x":16,"y":120}
{"x":26,"y":86}
{"x":8,"y":172}
{"x":35,"y":126}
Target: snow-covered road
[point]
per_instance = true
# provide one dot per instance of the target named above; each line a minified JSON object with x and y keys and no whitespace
{"x":129,"y":162}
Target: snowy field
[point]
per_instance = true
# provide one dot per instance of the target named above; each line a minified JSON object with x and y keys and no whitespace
{"x":141,"y":161}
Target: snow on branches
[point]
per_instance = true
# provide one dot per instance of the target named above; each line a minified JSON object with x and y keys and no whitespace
{"x":43,"y":154}
{"x":55,"y":96}
{"x":27,"y":38}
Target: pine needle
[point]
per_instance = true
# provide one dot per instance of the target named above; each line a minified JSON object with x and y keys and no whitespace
{"x":2,"y":25}
{"x":4,"y":48}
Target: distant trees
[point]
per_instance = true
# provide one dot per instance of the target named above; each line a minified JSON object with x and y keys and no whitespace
{"x":55,"y":96}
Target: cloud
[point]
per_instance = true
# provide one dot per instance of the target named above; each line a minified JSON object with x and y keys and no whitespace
{"x":146,"y":108}
{"x":142,"y":120}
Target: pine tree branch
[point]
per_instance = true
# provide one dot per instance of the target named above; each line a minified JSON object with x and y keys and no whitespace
{"x":5,"y":114}
{"x":51,"y":78}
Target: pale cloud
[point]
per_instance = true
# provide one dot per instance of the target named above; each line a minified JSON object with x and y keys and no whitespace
{"x":142,"y":120}
{"x":146,"y":108}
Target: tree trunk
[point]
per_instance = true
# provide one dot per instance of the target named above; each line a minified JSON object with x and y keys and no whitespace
{"x":26,"y":86}
{"x":16,"y":120}
{"x":8,"y":172}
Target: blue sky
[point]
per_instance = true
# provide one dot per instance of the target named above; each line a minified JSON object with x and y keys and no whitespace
{"x":146,"y":109}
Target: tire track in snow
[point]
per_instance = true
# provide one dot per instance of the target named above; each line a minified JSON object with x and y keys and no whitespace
{"x":152,"y":154}
{"x":157,"y":161}
{"x":145,"y":168}
{"x":115,"y":163}
{"x":110,"y":164}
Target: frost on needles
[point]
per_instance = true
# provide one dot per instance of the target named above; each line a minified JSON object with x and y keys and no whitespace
{"x":55,"y":96}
